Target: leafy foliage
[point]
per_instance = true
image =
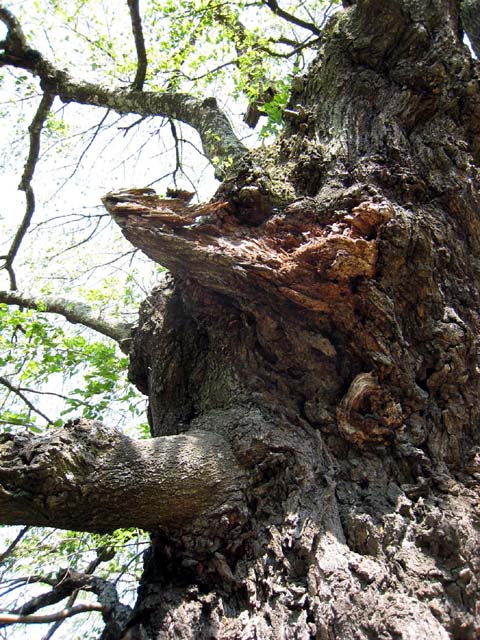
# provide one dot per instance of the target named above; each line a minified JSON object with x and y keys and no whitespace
{"x":34,"y":352}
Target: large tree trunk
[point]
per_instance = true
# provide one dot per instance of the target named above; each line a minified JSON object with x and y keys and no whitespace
{"x":315,"y":365}
{"x":324,"y":321}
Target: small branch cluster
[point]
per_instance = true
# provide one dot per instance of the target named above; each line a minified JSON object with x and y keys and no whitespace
{"x":68,"y":583}
{"x":220,"y":144}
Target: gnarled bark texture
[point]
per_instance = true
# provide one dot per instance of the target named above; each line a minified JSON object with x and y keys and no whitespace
{"x":324,"y":320}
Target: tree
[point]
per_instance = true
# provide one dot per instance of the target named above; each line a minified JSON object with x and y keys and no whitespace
{"x":312,"y":373}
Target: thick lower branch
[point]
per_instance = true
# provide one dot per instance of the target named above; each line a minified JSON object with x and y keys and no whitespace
{"x":89,"y":478}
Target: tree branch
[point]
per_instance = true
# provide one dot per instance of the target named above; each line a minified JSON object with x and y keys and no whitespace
{"x":11,"y":618}
{"x":68,"y":582}
{"x":281,"y":13}
{"x":15,"y":41}
{"x":62,"y":589}
{"x":35,"y":130}
{"x":86,"y":477}
{"x":11,"y":547}
{"x":137,"y":84}
{"x":220,"y":144}
{"x":74,"y":312}
{"x":58,"y":623}
{"x":6,"y":383}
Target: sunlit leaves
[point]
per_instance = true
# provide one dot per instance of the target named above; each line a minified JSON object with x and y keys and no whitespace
{"x":61,"y":373}
{"x":199,"y":46}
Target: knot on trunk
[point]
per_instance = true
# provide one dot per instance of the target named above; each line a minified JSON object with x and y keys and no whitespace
{"x":367,"y":413}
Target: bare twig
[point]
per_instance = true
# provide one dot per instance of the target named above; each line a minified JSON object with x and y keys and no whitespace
{"x":75,"y":401}
{"x":137,"y":84}
{"x":87,"y":238}
{"x":178,"y":161}
{"x":35,"y":130}
{"x":21,"y":581}
{"x":281,"y":13}
{"x":11,"y":547}
{"x":58,"y":623}
{"x":6,"y":383}
{"x":98,"y":127}
{"x":128,"y":128}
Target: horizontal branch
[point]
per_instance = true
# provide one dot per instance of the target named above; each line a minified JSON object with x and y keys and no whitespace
{"x":220,"y":144}
{"x":68,"y":583}
{"x":12,"y":618}
{"x":86,"y":477}
{"x":75,"y":312}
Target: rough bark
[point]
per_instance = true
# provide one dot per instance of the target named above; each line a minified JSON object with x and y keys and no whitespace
{"x":470,"y":13}
{"x":329,"y":295}
{"x":89,"y":478}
